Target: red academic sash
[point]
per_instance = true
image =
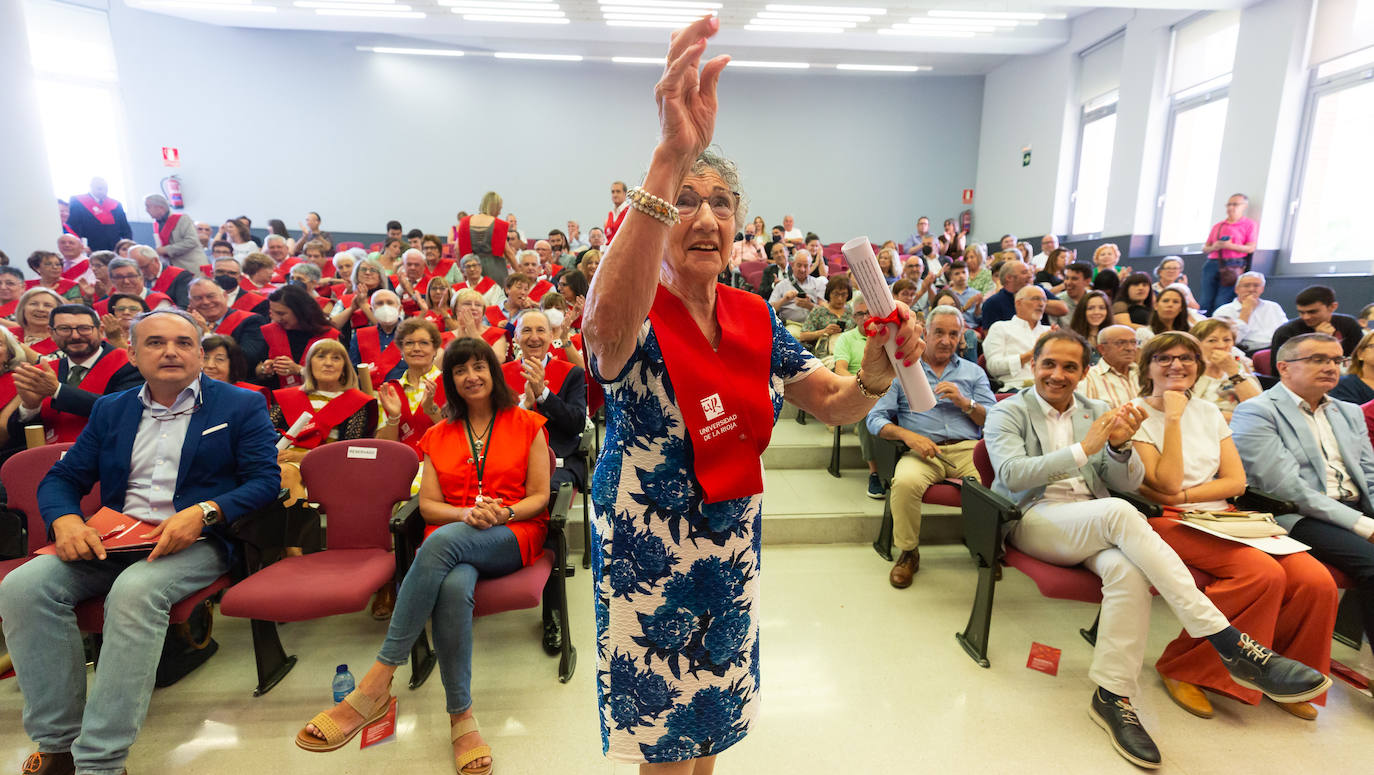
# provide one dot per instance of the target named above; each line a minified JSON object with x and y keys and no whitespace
{"x":231,"y":321}
{"x":7,"y":311}
{"x":483,"y":285}
{"x":69,"y":230}
{"x":7,"y":389}
{"x":248,"y":301}
{"x":441,"y":269}
{"x":61,"y":427}
{"x":370,"y":351}
{"x":77,"y":269}
{"x":63,"y":285}
{"x":540,"y":288}
{"x":166,"y":278}
{"x":555,"y":372}
{"x":278,"y":345}
{"x":42,"y":347}
{"x":723,"y":394}
{"x":103,"y":212}
{"x":413,"y":423}
{"x":358,"y":319}
{"x":284,"y":269}
{"x":265,"y":392}
{"x":613,"y":223}
{"x":102,"y":307}
{"x":164,"y":232}
{"x":496,"y":316}
{"x":294,"y":402}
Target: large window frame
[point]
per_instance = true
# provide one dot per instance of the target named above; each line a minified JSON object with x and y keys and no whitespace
{"x":1192,"y":99}
{"x":1321,"y":85}
{"x":1088,"y":116}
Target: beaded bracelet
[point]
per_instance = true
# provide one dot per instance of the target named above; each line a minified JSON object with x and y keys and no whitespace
{"x":653,"y":206}
{"x":863,"y":389}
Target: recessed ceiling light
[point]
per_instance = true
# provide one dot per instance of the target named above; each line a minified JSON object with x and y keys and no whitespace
{"x":1018,"y":15}
{"x":944,"y":20}
{"x":639,"y":60}
{"x":540,"y":57}
{"x":884,"y":68}
{"x":802,"y":23}
{"x":969,"y":27}
{"x":826,"y":9}
{"x":371,"y":14}
{"x":774,"y":65}
{"x":480,"y":17}
{"x":783,"y":28}
{"x":422,"y":52}
{"x":648,"y":17}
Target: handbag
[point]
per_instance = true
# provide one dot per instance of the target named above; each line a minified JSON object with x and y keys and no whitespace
{"x":1229,"y":271}
{"x":1237,"y":524}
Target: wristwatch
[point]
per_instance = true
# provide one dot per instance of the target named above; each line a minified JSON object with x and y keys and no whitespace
{"x":212,"y":515}
{"x":510,"y":513}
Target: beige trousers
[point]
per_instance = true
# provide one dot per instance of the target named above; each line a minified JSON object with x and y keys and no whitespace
{"x":915,"y":475}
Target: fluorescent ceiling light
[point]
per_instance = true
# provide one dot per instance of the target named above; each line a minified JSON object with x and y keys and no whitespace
{"x":514,"y":6}
{"x":513,"y":19}
{"x":917,"y":33}
{"x":970,"y":27}
{"x":663,"y":4}
{"x":208,"y":7}
{"x":1028,"y":16}
{"x":196,"y":2}
{"x":826,"y":9}
{"x":686,"y":13}
{"x":663,"y":25}
{"x":541,"y":57}
{"x":351,"y":6}
{"x":803,"y":17}
{"x":801,"y":24}
{"x":639,"y":60}
{"x":646,"y":17}
{"x":371,"y":14}
{"x":884,"y":68}
{"x":772,"y":28}
{"x":504,"y":12}
{"x":942,"y":21}
{"x":423,"y":52}
{"x":775,"y":65}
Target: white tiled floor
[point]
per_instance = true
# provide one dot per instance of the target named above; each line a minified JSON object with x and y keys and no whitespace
{"x":858,"y":678}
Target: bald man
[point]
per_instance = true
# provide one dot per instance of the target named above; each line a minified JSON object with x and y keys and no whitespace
{"x":97,"y":218}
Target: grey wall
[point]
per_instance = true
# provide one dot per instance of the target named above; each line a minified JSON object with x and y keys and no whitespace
{"x":273,"y":124}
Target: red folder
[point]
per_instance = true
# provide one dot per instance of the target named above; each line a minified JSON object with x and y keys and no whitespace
{"x":118,"y":532}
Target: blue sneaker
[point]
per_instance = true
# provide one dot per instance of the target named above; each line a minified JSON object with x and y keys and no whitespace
{"x":875,"y":488}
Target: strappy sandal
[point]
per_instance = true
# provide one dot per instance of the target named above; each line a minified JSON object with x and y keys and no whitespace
{"x":462,"y":763}
{"x":335,"y":738}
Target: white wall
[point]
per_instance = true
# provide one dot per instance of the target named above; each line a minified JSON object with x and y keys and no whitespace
{"x":273,"y":124}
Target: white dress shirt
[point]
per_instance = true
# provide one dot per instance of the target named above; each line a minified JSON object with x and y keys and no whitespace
{"x":1004,"y":344}
{"x":1060,"y":425}
{"x":156,"y":457}
{"x":1258,"y":332}
{"x":1339,"y":486}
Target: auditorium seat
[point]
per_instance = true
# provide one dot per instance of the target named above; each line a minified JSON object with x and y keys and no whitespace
{"x":21,"y":475}
{"x":342,"y":246}
{"x":375,"y":247}
{"x":1264,"y":362}
{"x":885,"y":456}
{"x":542,"y":581}
{"x":357,"y":484}
{"x":753,"y":272}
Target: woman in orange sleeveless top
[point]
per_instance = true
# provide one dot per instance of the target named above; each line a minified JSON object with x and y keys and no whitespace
{"x":484,"y":493}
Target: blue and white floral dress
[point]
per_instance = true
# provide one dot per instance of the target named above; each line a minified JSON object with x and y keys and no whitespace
{"x":677,"y":584}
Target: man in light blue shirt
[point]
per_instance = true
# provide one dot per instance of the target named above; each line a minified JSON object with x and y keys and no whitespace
{"x":913,"y":241}
{"x":941,"y":440}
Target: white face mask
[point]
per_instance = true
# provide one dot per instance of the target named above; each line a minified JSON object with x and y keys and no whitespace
{"x":386,"y":315}
{"x":555,"y":317}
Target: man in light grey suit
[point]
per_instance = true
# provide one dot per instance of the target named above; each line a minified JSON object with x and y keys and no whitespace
{"x":1055,"y":454}
{"x":1301,"y":446}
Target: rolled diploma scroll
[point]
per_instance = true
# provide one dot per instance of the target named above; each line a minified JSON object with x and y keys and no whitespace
{"x":863,"y":267}
{"x":295,"y":428}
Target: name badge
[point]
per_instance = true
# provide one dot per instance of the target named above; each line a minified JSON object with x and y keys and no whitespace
{"x":362,"y":453}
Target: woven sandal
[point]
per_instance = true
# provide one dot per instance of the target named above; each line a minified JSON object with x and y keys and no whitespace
{"x":462,"y":764}
{"x":334,"y":737}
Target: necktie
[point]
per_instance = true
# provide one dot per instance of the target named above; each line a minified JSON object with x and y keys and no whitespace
{"x":74,"y":375}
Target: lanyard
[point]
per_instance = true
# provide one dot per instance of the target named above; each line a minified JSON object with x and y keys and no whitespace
{"x":478,"y":446}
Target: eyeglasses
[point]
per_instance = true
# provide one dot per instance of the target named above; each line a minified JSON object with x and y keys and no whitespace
{"x":1131,"y":343}
{"x":124,"y":276}
{"x":124,"y":310}
{"x":1321,"y":361}
{"x":1185,"y":359}
{"x":722,"y":204}
{"x":415,"y":344}
{"x":67,"y":330}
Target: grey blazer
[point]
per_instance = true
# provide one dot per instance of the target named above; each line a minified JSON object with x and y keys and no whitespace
{"x":1017,"y":434}
{"x":1282,"y":457}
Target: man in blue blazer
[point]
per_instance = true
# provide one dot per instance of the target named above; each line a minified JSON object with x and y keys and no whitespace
{"x":1055,"y":454}
{"x":187,"y":455}
{"x":1302,"y":446}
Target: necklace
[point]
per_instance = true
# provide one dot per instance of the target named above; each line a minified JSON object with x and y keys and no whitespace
{"x":477,"y":444}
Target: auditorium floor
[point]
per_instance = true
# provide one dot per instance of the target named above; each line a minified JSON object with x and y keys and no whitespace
{"x":858,"y":678}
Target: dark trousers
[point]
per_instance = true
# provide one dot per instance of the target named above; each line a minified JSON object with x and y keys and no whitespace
{"x":1346,"y":551}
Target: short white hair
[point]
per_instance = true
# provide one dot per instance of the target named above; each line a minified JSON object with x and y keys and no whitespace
{"x":375,"y":294}
{"x":274,"y":238}
{"x":521,"y":255}
{"x":1028,"y":290}
{"x":418,"y":254}
{"x":143,"y":250}
{"x":1254,"y":275}
{"x":945,"y":309}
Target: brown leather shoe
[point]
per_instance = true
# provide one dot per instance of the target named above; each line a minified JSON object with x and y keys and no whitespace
{"x":40,"y":763}
{"x":1189,"y":697}
{"x":907,"y":564}
{"x":1303,"y":710}
{"x":384,"y":602}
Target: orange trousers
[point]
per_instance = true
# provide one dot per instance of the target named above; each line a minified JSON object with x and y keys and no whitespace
{"x":1287,"y":603}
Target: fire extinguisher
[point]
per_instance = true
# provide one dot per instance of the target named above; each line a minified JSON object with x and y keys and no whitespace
{"x":171,"y":188}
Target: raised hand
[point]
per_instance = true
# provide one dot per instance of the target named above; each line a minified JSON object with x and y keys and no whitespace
{"x":1175,"y":401}
{"x":390,"y":398}
{"x":686,"y":97}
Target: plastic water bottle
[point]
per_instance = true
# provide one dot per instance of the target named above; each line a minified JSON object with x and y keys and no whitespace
{"x":343,"y":683}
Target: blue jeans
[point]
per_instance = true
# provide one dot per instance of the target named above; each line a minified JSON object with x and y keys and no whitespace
{"x":440,"y":584}
{"x":1214,"y":294}
{"x":36,"y":603}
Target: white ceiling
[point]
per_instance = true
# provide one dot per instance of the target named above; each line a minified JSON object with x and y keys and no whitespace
{"x":434,"y":23}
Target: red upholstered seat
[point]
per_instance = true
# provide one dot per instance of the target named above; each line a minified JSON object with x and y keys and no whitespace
{"x":375,"y":247}
{"x":328,"y":583}
{"x":753,"y":271}
{"x":342,"y":246}
{"x":943,"y":494}
{"x":1264,"y":362}
{"x":1057,"y":581}
{"x":513,"y":591}
{"x":447,"y":251}
{"x":21,"y":475}
{"x":90,"y":614}
{"x":1342,"y":581}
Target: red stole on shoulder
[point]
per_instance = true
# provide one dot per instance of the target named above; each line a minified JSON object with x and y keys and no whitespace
{"x":613,"y":223}
{"x":248,"y":301}
{"x":482,"y":286}
{"x":102,"y":211}
{"x":723,"y":394}
{"x":60,"y":427}
{"x":77,"y":269}
{"x":231,"y":321}
{"x":414,"y":422}
{"x":166,"y":277}
{"x":370,"y":351}
{"x":555,"y":371}
{"x":7,"y":388}
{"x":164,"y":233}
{"x":496,"y":316}
{"x":294,"y":402}
{"x":540,"y":288}
{"x":278,"y":345}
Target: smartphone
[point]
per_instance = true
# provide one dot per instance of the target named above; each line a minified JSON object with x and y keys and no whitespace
{"x":1224,"y":238}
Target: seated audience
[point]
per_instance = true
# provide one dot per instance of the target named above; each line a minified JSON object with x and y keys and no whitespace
{"x":1255,"y":319}
{"x":412,"y":402}
{"x":1077,"y":283}
{"x":437,"y":303}
{"x":127,"y":278}
{"x":1105,"y":259}
{"x":433,"y":248}
{"x":796,"y":293}
{"x":228,"y":274}
{"x":209,"y":305}
{"x":1009,"y":344}
{"x":1051,"y":275}
{"x":940,"y":441}
{"x":11,"y":288}
{"x":1115,"y":379}
{"x":1170,"y":313}
{"x":161,"y":278}
{"x":979,"y":277}
{"x":472,"y":320}
{"x":887,"y":262}
{"x":1090,"y":315}
{"x":848,"y":352}
{"x":354,"y":308}
{"x":1170,"y":271}
{"x":777,"y":268}
{"x":588,"y":262}
{"x":307,"y":276}
{"x":342,"y":274}
{"x":376,"y":345}
{"x":214,"y":466}
{"x":12,"y":354}
{"x":1135,"y":300}
{"x":1317,"y":315}
{"x":1225,"y":377}
{"x":100,"y":268}
{"x":905,"y":291}
{"x":116,"y":323}
{"x":469,"y":275}
{"x":826,"y":321}
{"x":340,"y":411}
{"x":59,"y":393}
{"x":1285,"y":602}
{"x":258,"y":269}
{"x":390,"y":255}
{"x":297,"y":323}
{"x":1357,"y":384}
{"x":488,"y":519}
{"x":1055,"y":454}
{"x":224,"y":362}
{"x":966,"y":299}
{"x":411,"y":281}
{"x":573,"y":285}
{"x":1107,"y":282}
{"x":32,"y":316}
{"x":238,"y":235}
{"x":553,"y":387}
{"x":1366,"y":314}
{"x":1299,"y":446}
{"x":518,"y":285}
{"x":48,"y":267}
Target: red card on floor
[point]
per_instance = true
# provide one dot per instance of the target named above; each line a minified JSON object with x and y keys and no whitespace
{"x":1357,"y":682}
{"x":380,"y":729}
{"x":1044,"y":658}
{"x":6,"y":674}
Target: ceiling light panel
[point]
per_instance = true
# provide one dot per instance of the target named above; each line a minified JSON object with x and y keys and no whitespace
{"x":506,"y":12}
{"x":1015,"y":15}
{"x":475,"y":17}
{"x":804,"y":30}
{"x":827,"y":9}
{"x":810,"y":17}
{"x":504,"y":5}
{"x":680,"y":4}
{"x":883,"y":68}
{"x":371,"y":14}
{"x":639,"y":60}
{"x":351,"y":6}
{"x":423,"y":52}
{"x":770,"y":65}
{"x":539,"y":57}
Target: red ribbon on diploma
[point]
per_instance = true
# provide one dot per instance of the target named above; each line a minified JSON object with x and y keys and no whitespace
{"x":897,"y":315}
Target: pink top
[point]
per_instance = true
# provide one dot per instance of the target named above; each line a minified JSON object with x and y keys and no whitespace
{"x":1241,"y":232}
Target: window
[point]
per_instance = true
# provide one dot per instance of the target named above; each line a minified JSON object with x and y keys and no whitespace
{"x":1330,"y":201}
{"x":74,"y":75}
{"x":1099,"y":77}
{"x":1204,"y":51}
